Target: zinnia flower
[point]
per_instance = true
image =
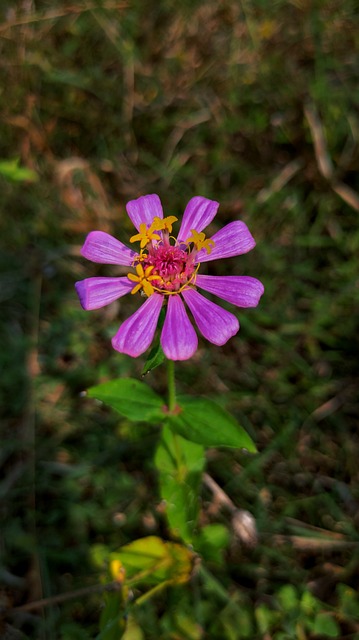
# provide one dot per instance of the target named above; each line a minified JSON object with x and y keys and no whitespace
{"x":164,"y":270}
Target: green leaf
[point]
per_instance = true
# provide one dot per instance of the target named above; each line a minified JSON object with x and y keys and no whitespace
{"x":186,"y":627}
{"x":155,"y":358}
{"x":349,"y":602}
{"x":203,"y":421}
{"x":133,"y":630}
{"x":211,"y":541}
{"x":235,"y":621}
{"x":266,"y":618}
{"x":156,"y":355}
{"x":113,"y":615}
{"x":131,"y":398}
{"x":112,"y":619}
{"x":180,"y":464}
{"x":153,"y":561}
{"x":309,"y":605}
{"x":11,"y":170}
{"x":288,"y":597}
{"x":149,"y":561}
{"x":326,"y":625}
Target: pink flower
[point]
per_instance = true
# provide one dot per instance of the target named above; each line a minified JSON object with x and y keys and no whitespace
{"x":165,"y":271}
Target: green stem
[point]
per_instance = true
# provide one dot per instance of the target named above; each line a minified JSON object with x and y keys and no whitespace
{"x":171,"y":385}
{"x":171,"y":407}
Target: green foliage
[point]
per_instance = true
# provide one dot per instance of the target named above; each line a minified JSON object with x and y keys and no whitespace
{"x":133,"y":630}
{"x":180,"y":464}
{"x":149,"y":562}
{"x":325,"y":625}
{"x":112,"y":620}
{"x":156,"y":355}
{"x":11,"y":170}
{"x":211,"y":542}
{"x":199,"y":420}
{"x":288,"y":598}
{"x":348,"y":601}
{"x":202,"y":420}
{"x":235,"y":621}
{"x":155,"y":358}
{"x":133,"y":399}
{"x":153,"y":561}
{"x":287,"y":616}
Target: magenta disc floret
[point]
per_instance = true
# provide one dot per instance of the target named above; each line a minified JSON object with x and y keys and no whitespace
{"x":173,"y":266}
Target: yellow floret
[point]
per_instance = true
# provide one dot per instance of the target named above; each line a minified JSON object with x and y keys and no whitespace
{"x":160,"y":224}
{"x":200,"y":241}
{"x":145,"y":235}
{"x":143,"y":280}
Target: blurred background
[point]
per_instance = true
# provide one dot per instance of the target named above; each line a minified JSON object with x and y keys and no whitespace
{"x":252,"y":104}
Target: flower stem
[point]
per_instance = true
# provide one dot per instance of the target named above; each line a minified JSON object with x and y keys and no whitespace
{"x":171,"y":385}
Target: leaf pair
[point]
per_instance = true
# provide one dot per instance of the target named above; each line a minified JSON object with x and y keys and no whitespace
{"x":198,"y":420}
{"x":180,"y":458}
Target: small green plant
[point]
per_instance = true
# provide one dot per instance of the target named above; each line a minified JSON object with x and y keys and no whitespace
{"x":165,"y":271}
{"x":11,"y":170}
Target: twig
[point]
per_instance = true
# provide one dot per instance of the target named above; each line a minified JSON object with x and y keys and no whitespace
{"x":314,"y":545}
{"x":325,"y":165}
{"x":243,"y":523}
{"x":324,"y":162}
{"x":280,"y":180}
{"x":218,"y":493}
{"x":71,"y":595}
{"x":347,"y":194}
{"x":52,"y":15}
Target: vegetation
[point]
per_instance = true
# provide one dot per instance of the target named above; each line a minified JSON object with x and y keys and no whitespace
{"x":253,"y":104}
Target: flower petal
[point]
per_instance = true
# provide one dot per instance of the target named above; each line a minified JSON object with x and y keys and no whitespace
{"x":243,"y":291}
{"x":105,"y":249}
{"x":144,"y":209}
{"x":197,"y":215}
{"x":98,"y":292}
{"x":136,"y":333}
{"x":232,"y":240}
{"x":178,"y":339}
{"x":215,"y":324}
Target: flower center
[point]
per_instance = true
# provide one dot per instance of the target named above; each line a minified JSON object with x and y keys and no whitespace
{"x":161,"y":266}
{"x":172,"y":265}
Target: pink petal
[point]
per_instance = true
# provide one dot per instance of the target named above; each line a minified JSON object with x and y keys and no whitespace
{"x":215,"y":324}
{"x":243,"y":291}
{"x":178,"y":339}
{"x":197,"y":215}
{"x":136,"y":333}
{"x":232,"y":240}
{"x":105,"y":249}
{"x":144,"y":209}
{"x":98,"y":292}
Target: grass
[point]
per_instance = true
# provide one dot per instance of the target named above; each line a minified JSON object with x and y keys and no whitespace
{"x":251,"y":104}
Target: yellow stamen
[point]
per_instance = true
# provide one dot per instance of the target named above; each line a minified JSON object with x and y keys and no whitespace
{"x":143,"y":279}
{"x":140,"y":258}
{"x":165,"y":224}
{"x":200,"y":241}
{"x":145,"y":235}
